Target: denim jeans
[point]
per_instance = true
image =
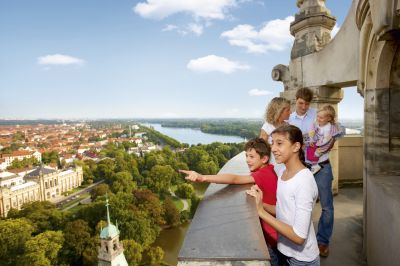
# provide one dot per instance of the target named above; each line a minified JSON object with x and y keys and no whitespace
{"x":324,"y":182}
{"x":294,"y":262}
{"x":275,"y":256}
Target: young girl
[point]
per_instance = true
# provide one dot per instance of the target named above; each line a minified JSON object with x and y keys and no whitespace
{"x":324,"y":132}
{"x":296,"y":196}
{"x":276,"y":114}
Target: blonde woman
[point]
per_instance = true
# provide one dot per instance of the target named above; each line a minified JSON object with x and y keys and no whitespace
{"x":276,"y":114}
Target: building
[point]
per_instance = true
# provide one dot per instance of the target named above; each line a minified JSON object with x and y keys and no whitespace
{"x":6,"y":159}
{"x":41,"y":184}
{"x":111,"y":251}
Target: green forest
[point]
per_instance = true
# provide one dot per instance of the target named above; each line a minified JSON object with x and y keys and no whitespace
{"x":245,"y":128}
{"x":139,"y":193}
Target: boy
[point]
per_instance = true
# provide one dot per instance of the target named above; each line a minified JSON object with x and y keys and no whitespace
{"x":263,"y":174}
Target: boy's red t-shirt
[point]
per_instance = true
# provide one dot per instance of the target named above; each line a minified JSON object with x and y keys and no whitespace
{"x":267,"y":180}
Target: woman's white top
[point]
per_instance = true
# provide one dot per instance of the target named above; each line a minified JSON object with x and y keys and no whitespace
{"x":278,"y":167}
{"x":295,"y":201}
{"x":268,"y":128}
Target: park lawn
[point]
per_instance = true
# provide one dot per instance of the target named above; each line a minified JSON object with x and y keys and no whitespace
{"x":178,"y":203}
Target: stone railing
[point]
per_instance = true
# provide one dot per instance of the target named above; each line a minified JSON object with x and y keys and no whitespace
{"x":225,"y":229}
{"x":351,"y":152}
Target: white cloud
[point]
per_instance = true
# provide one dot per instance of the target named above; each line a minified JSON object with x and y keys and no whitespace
{"x":59,"y":59}
{"x":169,"y":27}
{"x":273,"y":36}
{"x":196,"y":29}
{"x":258,"y":92}
{"x":206,"y":9}
{"x":212,"y":63}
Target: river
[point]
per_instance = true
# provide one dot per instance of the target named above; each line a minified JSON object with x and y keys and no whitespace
{"x":194,"y":136}
{"x":170,"y":240}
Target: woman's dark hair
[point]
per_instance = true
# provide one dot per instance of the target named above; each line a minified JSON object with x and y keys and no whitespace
{"x":294,"y":135}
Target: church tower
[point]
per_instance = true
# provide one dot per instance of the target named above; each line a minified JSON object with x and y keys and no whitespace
{"x":111,"y":252}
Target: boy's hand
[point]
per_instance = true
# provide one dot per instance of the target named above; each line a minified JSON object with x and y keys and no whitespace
{"x":193,"y":176}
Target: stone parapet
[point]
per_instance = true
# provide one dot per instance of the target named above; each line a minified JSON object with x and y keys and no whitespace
{"x":226,"y":229}
{"x":351,"y":154}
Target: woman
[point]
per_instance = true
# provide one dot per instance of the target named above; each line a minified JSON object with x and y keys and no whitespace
{"x":276,"y":114}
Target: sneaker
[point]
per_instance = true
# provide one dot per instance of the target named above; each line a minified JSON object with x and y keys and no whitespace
{"x":315,"y":168}
{"x":323,"y":250}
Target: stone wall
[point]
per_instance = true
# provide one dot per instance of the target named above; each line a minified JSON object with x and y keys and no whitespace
{"x":351,"y":153}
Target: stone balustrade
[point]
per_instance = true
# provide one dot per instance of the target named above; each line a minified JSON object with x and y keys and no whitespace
{"x":225,"y":229}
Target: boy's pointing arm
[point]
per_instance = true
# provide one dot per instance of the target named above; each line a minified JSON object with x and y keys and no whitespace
{"x":219,"y":179}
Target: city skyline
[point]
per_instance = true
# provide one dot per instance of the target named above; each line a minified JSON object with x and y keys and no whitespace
{"x":147,"y":59}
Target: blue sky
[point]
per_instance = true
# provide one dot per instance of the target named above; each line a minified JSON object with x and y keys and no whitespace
{"x":147,"y":58}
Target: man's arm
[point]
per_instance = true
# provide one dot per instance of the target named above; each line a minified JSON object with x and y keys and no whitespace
{"x":218,"y":179}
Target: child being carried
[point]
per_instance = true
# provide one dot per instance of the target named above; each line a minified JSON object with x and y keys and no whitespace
{"x":324,"y":132}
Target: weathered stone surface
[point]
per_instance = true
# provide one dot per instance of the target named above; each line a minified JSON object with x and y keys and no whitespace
{"x":365,"y":52}
{"x":311,"y":28}
{"x":226,"y":227}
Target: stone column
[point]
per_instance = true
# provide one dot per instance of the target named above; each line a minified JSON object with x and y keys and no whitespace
{"x":312,"y":31}
{"x":311,"y":28}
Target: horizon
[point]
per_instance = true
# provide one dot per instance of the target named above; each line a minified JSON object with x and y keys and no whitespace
{"x":148,"y":59}
{"x":139,"y":119}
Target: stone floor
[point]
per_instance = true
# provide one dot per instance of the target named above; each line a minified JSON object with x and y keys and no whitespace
{"x":346,"y":243}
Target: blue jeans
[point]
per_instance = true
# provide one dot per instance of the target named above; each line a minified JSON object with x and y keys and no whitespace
{"x":275,"y":256}
{"x":294,"y":262}
{"x":324,"y":182}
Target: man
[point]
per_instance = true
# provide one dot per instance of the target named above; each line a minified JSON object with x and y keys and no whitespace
{"x":303,"y":117}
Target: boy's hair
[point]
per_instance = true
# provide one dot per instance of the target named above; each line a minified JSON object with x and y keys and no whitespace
{"x":275,"y":109}
{"x":261,"y":147}
{"x":305,"y":93}
{"x":330,"y":111}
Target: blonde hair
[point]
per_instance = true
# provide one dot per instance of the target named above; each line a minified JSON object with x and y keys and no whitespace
{"x":275,"y":109}
{"x":330,"y":111}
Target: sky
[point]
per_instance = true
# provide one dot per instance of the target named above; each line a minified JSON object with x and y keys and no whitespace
{"x":74,"y":59}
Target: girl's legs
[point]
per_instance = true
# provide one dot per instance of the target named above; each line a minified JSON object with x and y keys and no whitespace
{"x":275,"y":256}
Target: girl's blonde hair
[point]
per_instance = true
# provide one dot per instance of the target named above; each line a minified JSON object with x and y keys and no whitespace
{"x":330,"y":111}
{"x":275,"y":109}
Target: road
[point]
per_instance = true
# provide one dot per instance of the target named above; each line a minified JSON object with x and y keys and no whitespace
{"x":59,"y":202}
